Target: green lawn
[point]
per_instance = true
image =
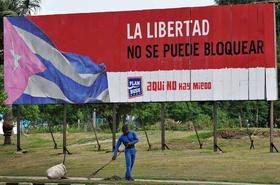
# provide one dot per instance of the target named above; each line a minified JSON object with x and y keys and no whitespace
{"x":183,"y":161}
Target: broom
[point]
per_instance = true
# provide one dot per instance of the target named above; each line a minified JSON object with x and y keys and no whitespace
{"x":102,"y":167}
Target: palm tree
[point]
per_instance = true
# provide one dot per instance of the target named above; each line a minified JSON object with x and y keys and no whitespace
{"x":11,"y":8}
{"x":28,"y":7}
{"x":19,"y":7}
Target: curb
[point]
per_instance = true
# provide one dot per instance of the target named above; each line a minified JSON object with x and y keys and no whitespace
{"x":85,"y":181}
{"x":29,"y":183}
{"x":139,"y":180}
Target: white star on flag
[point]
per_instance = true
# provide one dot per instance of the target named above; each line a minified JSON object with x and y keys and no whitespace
{"x":16,"y":58}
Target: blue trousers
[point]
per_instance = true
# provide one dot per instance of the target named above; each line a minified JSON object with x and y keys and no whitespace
{"x":130,"y":155}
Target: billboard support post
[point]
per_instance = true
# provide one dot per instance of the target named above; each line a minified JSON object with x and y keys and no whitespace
{"x":65,"y":150}
{"x":196,"y":133}
{"x":50,"y":130}
{"x":64,"y":127}
{"x":162,"y":124}
{"x":271,"y":119}
{"x":146,"y":134}
{"x":53,"y":139}
{"x":114,"y":127}
{"x":214,"y":120}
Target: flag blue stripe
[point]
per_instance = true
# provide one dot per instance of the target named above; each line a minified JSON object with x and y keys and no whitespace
{"x":27,"y":99}
{"x":27,"y":25}
{"x":83,"y":65}
{"x":72,"y":90}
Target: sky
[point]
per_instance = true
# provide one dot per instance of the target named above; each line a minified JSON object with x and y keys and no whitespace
{"x":81,"y":6}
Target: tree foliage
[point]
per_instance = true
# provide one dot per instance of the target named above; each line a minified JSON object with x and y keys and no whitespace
{"x":14,"y":8}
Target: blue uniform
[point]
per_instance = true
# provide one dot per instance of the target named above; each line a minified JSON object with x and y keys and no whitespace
{"x":130,"y":151}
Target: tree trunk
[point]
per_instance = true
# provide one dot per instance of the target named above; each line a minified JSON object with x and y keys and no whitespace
{"x":8,"y":127}
{"x":117,"y":118}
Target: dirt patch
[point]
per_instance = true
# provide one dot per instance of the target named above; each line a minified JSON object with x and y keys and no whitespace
{"x":237,"y":134}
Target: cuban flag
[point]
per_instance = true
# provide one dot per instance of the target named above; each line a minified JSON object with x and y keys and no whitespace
{"x":36,"y":72}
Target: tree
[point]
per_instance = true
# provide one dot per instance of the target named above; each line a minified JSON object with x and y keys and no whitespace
{"x":147,"y":113}
{"x":106,"y":111}
{"x":183,"y":111}
{"x":11,"y":8}
{"x":28,"y":7}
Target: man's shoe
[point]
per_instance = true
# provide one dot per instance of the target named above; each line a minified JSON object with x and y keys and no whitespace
{"x":129,"y":179}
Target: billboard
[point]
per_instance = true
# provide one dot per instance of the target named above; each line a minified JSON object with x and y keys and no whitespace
{"x":184,"y":54}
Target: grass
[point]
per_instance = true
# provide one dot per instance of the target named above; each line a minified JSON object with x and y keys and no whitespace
{"x":184,"y":161}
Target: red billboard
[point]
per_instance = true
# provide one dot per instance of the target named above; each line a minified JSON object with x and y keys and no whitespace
{"x":182,"y":54}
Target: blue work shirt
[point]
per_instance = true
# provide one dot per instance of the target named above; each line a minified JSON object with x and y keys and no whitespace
{"x":131,"y":137}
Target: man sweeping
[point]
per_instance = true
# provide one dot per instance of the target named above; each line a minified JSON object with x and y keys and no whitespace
{"x":129,"y":139}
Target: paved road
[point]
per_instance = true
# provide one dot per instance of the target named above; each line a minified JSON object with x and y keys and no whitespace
{"x":85,"y":180}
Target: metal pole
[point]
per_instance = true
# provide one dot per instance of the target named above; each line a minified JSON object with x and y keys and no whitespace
{"x":64,"y":128}
{"x":215,"y":127}
{"x":162,"y":121}
{"x":271,"y":125}
{"x":114,"y":128}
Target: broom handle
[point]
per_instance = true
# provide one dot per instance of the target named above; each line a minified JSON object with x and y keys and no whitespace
{"x":94,"y":173}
